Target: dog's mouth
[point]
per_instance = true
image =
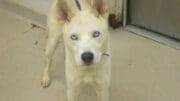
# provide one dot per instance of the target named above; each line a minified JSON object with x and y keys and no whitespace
{"x":88,"y":66}
{"x":106,"y":54}
{"x":91,"y":64}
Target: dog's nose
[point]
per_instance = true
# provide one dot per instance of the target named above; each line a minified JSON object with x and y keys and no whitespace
{"x":87,"y":57}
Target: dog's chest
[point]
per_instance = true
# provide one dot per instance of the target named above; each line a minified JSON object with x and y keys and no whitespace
{"x":88,"y":76}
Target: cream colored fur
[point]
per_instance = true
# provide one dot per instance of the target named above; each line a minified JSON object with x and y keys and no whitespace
{"x":92,"y":17}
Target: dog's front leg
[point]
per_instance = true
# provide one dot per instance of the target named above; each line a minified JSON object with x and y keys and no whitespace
{"x":71,"y":94}
{"x":73,"y":91}
{"x":102,"y":92}
{"x":49,"y":51}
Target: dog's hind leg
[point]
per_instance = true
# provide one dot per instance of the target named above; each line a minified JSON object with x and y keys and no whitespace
{"x":51,"y":45}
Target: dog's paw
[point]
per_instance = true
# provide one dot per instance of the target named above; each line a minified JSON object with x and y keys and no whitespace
{"x":45,"y":82}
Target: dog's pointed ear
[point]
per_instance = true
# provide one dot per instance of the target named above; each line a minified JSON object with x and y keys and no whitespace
{"x":100,"y":8}
{"x":64,"y":11}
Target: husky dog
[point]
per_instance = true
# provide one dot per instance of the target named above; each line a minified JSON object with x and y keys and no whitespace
{"x":82,"y":25}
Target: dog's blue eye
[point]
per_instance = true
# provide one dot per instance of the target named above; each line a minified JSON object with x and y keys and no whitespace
{"x":74,"y":37}
{"x":96,"y":34}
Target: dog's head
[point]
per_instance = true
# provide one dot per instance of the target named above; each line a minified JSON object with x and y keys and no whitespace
{"x":85,"y":31}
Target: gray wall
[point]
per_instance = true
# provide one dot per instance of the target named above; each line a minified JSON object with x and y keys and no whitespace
{"x":42,"y":6}
{"x":37,"y":10}
{"x":39,"y":6}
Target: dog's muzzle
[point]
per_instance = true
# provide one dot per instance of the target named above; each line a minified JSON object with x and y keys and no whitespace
{"x":87,"y":58}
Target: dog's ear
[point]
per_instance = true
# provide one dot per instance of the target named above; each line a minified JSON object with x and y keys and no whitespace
{"x":100,"y":8}
{"x":63,"y":10}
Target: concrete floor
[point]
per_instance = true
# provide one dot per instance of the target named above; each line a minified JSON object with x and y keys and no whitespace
{"x":142,"y":70}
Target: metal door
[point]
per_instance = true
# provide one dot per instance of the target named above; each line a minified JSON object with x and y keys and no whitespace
{"x":162,"y":16}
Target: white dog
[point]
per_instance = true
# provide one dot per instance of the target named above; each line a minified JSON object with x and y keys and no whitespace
{"x":82,"y":25}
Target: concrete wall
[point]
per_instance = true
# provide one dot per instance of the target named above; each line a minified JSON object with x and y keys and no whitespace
{"x":37,"y":10}
{"x":39,"y":6}
{"x":42,"y":6}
